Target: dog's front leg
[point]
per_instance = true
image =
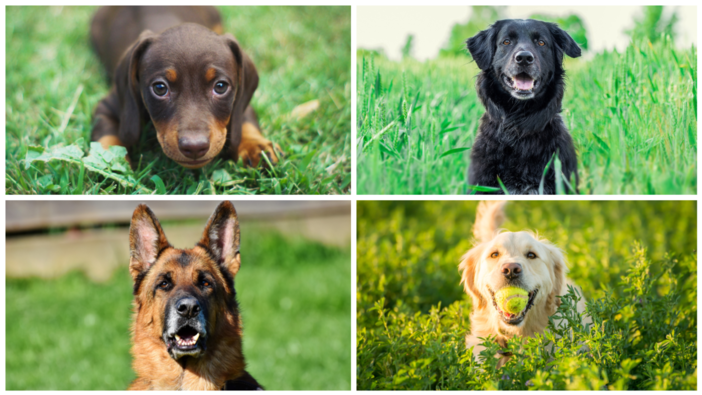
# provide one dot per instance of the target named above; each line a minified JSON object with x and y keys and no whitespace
{"x":253,"y":145}
{"x":106,"y":124}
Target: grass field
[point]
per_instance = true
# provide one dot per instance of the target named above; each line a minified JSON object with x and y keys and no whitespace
{"x":73,"y":334}
{"x":54,"y":81}
{"x":632,"y":115}
{"x":635,"y":261}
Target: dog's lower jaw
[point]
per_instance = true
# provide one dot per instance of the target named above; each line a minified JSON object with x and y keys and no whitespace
{"x":194,"y":164}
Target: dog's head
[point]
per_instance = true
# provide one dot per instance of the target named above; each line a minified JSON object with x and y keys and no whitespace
{"x":193,"y":84}
{"x":522,"y":55}
{"x":518,"y":259}
{"x":183,"y":297}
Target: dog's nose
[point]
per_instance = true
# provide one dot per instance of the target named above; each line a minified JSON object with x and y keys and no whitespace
{"x":188,"y":307}
{"x":194,"y":147}
{"x":524,"y":57}
{"x":511,"y":270}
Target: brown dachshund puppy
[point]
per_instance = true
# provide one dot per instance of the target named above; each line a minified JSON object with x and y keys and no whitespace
{"x":170,"y":65}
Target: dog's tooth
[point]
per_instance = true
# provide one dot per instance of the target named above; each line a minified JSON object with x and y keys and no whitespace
{"x":197,"y":336}
{"x":177,"y":337}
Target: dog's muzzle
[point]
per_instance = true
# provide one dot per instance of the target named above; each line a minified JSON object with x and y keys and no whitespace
{"x":185,"y":332}
{"x":511,"y":319}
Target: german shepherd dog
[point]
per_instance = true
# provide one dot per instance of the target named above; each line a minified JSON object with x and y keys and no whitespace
{"x":187,"y":330}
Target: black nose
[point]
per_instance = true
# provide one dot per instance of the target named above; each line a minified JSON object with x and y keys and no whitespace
{"x":511,"y":270}
{"x":194,"y":147}
{"x":524,"y":57}
{"x":188,"y":307}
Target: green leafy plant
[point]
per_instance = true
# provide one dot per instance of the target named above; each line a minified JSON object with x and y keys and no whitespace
{"x":641,"y":304}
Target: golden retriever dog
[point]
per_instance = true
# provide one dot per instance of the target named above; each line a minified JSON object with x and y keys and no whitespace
{"x":518,"y":259}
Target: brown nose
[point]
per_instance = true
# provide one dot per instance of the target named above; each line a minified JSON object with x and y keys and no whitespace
{"x":194,"y":147}
{"x":511,"y":270}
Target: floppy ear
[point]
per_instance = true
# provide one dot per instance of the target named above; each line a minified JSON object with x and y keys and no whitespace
{"x":564,"y":42}
{"x":132,"y":108}
{"x":482,"y":46}
{"x":558,"y":276}
{"x":146,"y":241}
{"x":247,"y":84}
{"x":221,"y":237}
{"x":469,"y":266}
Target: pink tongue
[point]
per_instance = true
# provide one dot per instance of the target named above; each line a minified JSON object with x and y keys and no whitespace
{"x":523,"y":83}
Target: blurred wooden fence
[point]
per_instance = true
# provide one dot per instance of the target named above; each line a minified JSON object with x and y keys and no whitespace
{"x":79,"y":243}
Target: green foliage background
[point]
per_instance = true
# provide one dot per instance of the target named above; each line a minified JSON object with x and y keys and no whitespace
{"x":54,"y":81}
{"x":72,"y":334}
{"x":632,"y":115}
{"x":635,"y":261}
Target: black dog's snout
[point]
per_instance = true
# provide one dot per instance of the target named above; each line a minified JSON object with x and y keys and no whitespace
{"x":511,"y":270}
{"x":194,"y":147}
{"x":524,"y":57}
{"x":188,"y":307}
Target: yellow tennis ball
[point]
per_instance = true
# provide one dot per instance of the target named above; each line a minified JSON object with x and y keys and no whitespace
{"x":512,"y":300}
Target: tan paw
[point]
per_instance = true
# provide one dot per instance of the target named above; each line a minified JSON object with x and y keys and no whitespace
{"x":253,"y":145}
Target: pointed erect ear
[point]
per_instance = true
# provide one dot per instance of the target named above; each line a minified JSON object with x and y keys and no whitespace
{"x":126,"y":78}
{"x":221,"y":237}
{"x":146,"y":241}
{"x":469,"y":266}
{"x":482,"y":46}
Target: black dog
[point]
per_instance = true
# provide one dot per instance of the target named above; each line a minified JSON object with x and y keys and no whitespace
{"x":521,"y":86}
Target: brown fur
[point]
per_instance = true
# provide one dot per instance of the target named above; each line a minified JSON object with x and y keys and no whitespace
{"x":176,"y":47}
{"x":252,"y":144}
{"x":217,"y":255}
{"x":481,"y":273}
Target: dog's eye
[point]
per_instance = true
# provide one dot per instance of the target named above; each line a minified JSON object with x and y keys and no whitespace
{"x":163,"y":284}
{"x":221,"y":88}
{"x":531,"y":255}
{"x":506,"y":42}
{"x":205,"y":282}
{"x":494,"y":254}
{"x":541,"y":43}
{"x":159,"y":88}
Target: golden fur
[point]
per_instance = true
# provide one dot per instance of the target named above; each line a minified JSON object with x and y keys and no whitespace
{"x":543,"y":268}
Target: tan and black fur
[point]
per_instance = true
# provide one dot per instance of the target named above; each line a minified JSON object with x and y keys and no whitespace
{"x":173,"y":67}
{"x":187,"y":330}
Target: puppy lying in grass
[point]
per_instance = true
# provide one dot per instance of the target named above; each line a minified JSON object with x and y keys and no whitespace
{"x":501,"y":262}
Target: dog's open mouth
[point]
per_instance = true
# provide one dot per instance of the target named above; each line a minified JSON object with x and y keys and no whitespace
{"x":521,"y":84}
{"x":187,"y":338}
{"x":514,"y":319}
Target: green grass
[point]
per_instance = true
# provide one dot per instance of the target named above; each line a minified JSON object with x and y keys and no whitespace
{"x":633,"y":117}
{"x":72,"y":334}
{"x":635,"y":261}
{"x":54,"y":81}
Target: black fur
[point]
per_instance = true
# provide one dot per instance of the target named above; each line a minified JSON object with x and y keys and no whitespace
{"x":521,"y":85}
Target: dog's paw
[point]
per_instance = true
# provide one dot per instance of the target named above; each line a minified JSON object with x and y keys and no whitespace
{"x":251,"y":151}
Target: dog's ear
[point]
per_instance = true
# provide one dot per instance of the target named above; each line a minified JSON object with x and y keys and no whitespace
{"x":221,"y":237}
{"x":482,"y":46}
{"x":558,"y":276}
{"x":126,"y":78}
{"x":564,"y":43}
{"x":146,"y":241}
{"x":469,"y":266}
{"x":247,"y":84}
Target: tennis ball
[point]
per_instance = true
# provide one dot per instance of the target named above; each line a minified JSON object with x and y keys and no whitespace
{"x":512,"y":300}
